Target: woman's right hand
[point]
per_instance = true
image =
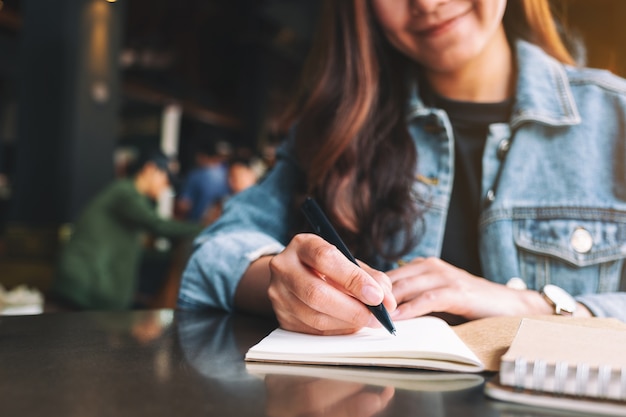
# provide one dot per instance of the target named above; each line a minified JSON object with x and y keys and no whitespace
{"x":315,"y":289}
{"x":295,"y":395}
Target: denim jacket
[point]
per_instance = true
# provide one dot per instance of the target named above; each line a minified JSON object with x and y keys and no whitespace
{"x":553,"y":180}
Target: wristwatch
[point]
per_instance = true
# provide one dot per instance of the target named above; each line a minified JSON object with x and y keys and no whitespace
{"x":563,"y":302}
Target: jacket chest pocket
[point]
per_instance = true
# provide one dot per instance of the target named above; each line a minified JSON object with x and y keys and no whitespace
{"x":581,"y":256}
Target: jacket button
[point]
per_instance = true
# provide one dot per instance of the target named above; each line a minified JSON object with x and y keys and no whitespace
{"x":503,"y":148}
{"x":491,"y":196}
{"x":581,"y":240}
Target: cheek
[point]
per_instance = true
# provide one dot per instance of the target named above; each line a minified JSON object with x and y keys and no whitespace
{"x":490,"y":13}
{"x":391,"y":15}
{"x":393,"y":18}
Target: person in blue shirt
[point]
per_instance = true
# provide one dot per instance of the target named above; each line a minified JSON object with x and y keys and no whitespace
{"x":205,"y":184}
{"x":469,"y":164}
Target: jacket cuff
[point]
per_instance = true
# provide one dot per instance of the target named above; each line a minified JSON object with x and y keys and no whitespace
{"x":216,"y":267}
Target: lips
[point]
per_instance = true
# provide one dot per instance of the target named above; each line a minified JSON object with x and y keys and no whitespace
{"x":433,"y":29}
{"x":432,"y":26}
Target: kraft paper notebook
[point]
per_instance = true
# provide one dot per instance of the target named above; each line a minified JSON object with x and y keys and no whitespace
{"x":564,"y":366}
{"x":425,"y":343}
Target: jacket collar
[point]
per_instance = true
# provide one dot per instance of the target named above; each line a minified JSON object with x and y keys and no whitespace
{"x":543,"y":92}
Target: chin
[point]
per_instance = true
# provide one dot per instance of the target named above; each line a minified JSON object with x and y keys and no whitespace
{"x":451,"y":61}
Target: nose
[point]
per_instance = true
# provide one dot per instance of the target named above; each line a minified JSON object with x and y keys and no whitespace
{"x":419,"y":7}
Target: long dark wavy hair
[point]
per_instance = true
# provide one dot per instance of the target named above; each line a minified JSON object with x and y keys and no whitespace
{"x":352,"y":139}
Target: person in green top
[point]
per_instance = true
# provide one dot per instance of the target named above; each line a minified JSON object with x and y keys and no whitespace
{"x":99,"y":266}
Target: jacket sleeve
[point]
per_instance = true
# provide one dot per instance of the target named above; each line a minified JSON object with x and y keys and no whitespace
{"x":256,"y":222}
{"x":135,"y":209}
{"x":606,"y":304}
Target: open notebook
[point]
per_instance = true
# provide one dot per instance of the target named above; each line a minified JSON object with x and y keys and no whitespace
{"x":425,"y":343}
{"x":411,"y":380}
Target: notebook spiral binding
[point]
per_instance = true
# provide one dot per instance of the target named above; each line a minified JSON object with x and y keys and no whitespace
{"x":557,"y":379}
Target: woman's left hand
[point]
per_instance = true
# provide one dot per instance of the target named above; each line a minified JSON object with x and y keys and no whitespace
{"x":428,"y":285}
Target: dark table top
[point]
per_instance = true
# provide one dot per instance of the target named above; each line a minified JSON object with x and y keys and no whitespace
{"x":170,"y":363}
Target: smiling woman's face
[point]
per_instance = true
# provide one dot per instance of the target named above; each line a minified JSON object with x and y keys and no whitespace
{"x":441,"y":35}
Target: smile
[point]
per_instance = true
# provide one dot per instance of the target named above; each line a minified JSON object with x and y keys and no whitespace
{"x":433,"y":29}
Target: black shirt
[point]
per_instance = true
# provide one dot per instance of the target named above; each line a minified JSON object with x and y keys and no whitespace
{"x":470,"y":124}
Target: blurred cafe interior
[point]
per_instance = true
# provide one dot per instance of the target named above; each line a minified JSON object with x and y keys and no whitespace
{"x":84,"y":82}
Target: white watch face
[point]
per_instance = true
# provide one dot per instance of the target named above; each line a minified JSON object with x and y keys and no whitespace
{"x":561,"y":299}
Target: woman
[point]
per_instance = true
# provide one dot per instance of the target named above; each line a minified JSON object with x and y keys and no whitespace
{"x":454,"y":147}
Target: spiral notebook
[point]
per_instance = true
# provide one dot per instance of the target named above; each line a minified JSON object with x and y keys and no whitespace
{"x":564,"y":366}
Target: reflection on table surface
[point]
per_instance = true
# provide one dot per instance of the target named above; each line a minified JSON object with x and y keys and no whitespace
{"x":165,"y":363}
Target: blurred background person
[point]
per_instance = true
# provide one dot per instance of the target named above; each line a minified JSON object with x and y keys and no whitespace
{"x":206,"y":183}
{"x":98,"y":267}
{"x":241,"y":175}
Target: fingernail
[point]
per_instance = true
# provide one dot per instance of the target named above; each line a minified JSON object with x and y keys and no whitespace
{"x":372,"y":295}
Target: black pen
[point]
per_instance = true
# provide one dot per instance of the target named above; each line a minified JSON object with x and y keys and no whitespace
{"x":321,"y":225}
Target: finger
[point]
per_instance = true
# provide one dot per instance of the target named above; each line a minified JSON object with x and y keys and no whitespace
{"x":329,"y":261}
{"x":332,"y":310}
{"x":367,"y":402}
{"x":297,"y":325}
{"x":389,"y":299}
{"x":409,"y":310}
{"x":304,"y":302}
{"x":371,"y":403}
{"x":424,"y":275}
{"x":308,"y":317}
{"x":417,"y":266}
{"x":410,"y":287}
{"x":326,"y":394}
{"x":380,"y":277}
{"x":305,"y":395}
{"x":432,"y":301}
